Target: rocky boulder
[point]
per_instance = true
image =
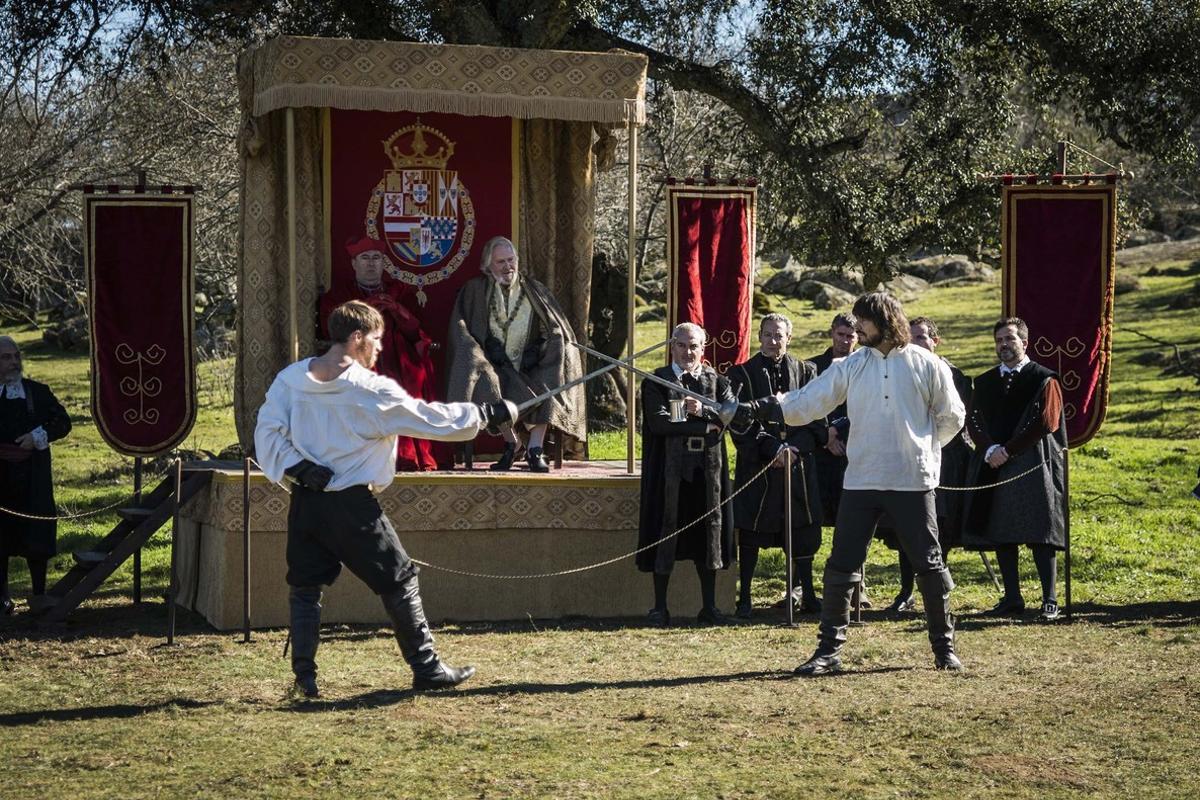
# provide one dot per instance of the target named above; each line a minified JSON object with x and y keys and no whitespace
{"x":938,"y":268}
{"x":70,"y":334}
{"x":964,"y":272}
{"x":829,"y":297}
{"x":849,"y":279}
{"x":905,"y":288}
{"x":652,"y":314}
{"x":1141,"y":236}
{"x":785,"y":281}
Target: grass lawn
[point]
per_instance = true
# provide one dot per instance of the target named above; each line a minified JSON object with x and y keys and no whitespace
{"x":1106,"y":707}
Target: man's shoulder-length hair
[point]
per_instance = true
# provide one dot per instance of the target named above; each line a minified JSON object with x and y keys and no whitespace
{"x":887,"y":315}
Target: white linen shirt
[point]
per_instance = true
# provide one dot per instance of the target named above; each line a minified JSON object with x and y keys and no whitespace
{"x":903,"y":409}
{"x":350,"y":425}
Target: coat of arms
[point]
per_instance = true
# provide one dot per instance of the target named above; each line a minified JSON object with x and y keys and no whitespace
{"x":421,"y":209}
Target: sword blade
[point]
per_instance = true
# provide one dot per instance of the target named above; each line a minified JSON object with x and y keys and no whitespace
{"x":541,"y":398}
{"x":705,"y":401}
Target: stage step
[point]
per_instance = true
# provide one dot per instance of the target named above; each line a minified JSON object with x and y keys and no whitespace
{"x":137,"y":525}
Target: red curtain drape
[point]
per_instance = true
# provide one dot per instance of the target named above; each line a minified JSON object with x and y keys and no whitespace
{"x":710,"y":265}
{"x":1058,"y":262}
{"x":138,"y":254}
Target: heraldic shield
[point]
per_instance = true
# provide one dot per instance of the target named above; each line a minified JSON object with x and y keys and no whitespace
{"x":421,"y":209}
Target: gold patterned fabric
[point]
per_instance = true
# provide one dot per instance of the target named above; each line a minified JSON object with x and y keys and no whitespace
{"x":437,"y":502}
{"x":558,"y":211}
{"x":263,"y":323}
{"x":295,"y":71}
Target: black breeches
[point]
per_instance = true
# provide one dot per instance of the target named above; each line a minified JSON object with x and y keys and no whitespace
{"x":329,"y":529}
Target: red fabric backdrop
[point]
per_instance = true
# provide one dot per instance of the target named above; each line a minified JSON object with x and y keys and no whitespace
{"x":139,"y":265}
{"x":1058,"y":253}
{"x":710,"y":265}
{"x":482,"y":163}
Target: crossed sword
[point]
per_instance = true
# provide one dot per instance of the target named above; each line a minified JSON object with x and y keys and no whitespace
{"x":725,"y":411}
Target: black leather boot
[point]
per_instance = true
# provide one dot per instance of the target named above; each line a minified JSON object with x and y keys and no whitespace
{"x":404,"y":608}
{"x":835,"y":620}
{"x":535,"y":460}
{"x":506,"y":459}
{"x":935,"y":593}
{"x":304,"y":603}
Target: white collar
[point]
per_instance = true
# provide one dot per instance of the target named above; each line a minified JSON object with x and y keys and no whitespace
{"x":1004,"y":369}
{"x":14,"y":389}
{"x":679,"y":371}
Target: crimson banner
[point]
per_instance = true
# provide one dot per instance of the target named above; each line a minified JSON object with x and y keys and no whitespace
{"x":138,"y":255}
{"x":710,"y":266}
{"x":1058,"y":262}
{"x":433,"y":188}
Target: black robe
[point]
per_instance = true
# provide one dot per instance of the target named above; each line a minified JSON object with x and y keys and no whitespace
{"x":668,"y":498}
{"x":27,"y":486}
{"x":1030,"y":509}
{"x":758,"y":509}
{"x":831,"y":469}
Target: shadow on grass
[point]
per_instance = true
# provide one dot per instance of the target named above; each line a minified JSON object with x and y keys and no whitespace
{"x":1160,"y":614}
{"x":112,"y":620}
{"x":115,"y":711}
{"x":386,"y":697}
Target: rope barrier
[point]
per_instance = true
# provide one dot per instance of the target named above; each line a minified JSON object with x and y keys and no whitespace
{"x":676,"y":532}
{"x":91,"y":513}
{"x":606,"y":562}
{"x":1034,"y":468}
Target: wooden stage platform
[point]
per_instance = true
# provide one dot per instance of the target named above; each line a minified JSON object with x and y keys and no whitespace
{"x":513,"y":523}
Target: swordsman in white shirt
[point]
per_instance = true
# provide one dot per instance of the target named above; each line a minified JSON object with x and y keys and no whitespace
{"x":329,"y":427}
{"x":905,"y":409}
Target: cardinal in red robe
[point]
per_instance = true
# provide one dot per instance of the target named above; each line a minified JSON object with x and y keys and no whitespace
{"x":405,"y":357}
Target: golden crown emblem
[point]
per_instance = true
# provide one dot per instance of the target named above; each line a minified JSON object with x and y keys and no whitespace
{"x":418,"y":154}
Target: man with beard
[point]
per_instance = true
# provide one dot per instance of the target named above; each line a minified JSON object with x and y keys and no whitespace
{"x":905,"y":409}
{"x":406,"y":349}
{"x":758,"y":509}
{"x":924,"y":333}
{"x":685,"y":473}
{"x":1016,"y":422}
{"x":329,"y":426}
{"x":31,"y":419}
{"x":510,"y":338}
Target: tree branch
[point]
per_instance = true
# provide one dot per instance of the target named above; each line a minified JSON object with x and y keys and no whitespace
{"x":681,"y":74}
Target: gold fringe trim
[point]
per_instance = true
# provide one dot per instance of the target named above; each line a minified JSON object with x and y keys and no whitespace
{"x":613,"y":111}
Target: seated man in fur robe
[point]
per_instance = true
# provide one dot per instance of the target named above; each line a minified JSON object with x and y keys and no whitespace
{"x":509,"y":339}
{"x":405,"y":357}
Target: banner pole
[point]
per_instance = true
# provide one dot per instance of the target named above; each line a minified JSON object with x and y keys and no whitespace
{"x":790,"y":566}
{"x":1061,"y":156}
{"x":293,"y":321}
{"x":137,"y":554}
{"x":1067,"y":529}
{"x":246,"y":550}
{"x":630,"y":280}
{"x":172,"y":584}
